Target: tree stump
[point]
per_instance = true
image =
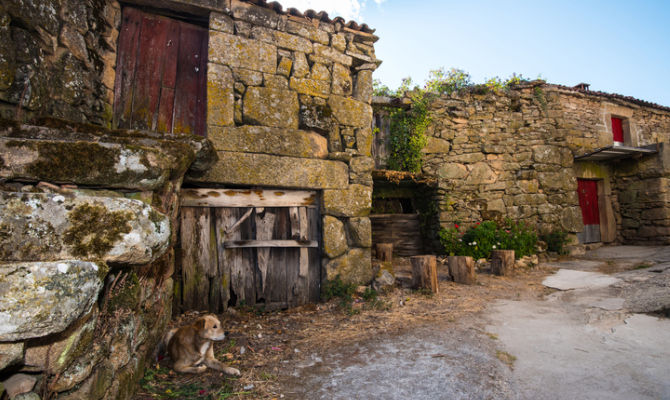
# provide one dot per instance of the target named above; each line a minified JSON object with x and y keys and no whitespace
{"x":502,"y":262}
{"x":384,"y":251}
{"x":424,"y":273}
{"x":462,"y":269}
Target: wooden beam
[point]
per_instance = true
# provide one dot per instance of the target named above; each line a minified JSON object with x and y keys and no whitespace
{"x":237,"y":244}
{"x":247,"y":198}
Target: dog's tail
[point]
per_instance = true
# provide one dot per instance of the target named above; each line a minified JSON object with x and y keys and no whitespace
{"x":162,"y":349}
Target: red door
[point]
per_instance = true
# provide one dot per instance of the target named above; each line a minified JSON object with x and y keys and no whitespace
{"x":588,"y":202}
{"x":617,"y":129}
{"x":161,"y":74}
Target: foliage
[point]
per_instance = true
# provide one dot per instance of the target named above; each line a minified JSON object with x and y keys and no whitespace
{"x":158,"y":383}
{"x":556,"y":241}
{"x":369,"y":294}
{"x":482,"y":238}
{"x":407,"y":136}
{"x":496,"y":83}
{"x":441,"y":81}
{"x":337,"y":288}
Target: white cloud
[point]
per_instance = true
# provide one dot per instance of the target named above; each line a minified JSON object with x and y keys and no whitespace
{"x":347,"y":9}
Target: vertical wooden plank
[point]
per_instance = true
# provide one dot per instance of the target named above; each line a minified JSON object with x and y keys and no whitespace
{"x":247,"y":263}
{"x":189,"y":69}
{"x":314,"y":269}
{"x":152,"y":46}
{"x":195,"y":284}
{"x":304,"y":235}
{"x":276,"y":278}
{"x":265,"y":221}
{"x":224,"y":217}
{"x":169,"y":80}
{"x":125,"y":66}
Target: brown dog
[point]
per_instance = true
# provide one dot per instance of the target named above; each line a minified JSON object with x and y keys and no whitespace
{"x":191,"y":349}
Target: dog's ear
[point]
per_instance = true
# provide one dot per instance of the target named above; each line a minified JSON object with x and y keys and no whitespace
{"x":200,"y":323}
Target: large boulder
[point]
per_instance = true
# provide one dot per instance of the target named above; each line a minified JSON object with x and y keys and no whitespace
{"x":334,"y":237}
{"x":355,"y":267}
{"x":42,"y":227}
{"x":41,"y":298}
{"x":63,"y":152}
{"x":355,"y":201}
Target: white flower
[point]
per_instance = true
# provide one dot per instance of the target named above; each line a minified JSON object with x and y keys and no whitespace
{"x":474,"y":243}
{"x":494,"y":246}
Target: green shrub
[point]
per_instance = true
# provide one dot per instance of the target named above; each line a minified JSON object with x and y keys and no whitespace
{"x":556,"y":241}
{"x":482,"y":238}
{"x":337,"y":288}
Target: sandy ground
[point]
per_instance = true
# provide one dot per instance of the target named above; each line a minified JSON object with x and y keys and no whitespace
{"x":503,"y":338}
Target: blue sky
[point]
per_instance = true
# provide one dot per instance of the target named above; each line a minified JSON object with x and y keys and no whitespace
{"x":616,"y":46}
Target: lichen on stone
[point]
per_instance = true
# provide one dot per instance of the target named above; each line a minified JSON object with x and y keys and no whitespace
{"x":94,"y":230}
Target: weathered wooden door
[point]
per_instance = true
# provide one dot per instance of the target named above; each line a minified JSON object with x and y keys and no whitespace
{"x":588,"y":202}
{"x":248,"y":247}
{"x":161,"y":74}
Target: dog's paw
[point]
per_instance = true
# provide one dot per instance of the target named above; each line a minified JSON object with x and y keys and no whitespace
{"x":231,"y":371}
{"x":201,"y":368}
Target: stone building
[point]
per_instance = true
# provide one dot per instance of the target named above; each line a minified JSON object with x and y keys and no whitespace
{"x":561,"y":158}
{"x":160,"y":155}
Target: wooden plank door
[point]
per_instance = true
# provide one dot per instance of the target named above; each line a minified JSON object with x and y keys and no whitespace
{"x":617,"y":130}
{"x":161,"y":74}
{"x":588,"y":202}
{"x":241,"y":247}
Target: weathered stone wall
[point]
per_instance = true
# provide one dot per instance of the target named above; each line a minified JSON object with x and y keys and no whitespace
{"x":289,"y":107}
{"x":636,"y":189}
{"x":502,"y":154}
{"x":85,"y":272}
{"x":510,"y":154}
{"x":57,"y":58}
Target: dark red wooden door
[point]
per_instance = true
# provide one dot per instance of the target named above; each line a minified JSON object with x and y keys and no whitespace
{"x":161,"y":74}
{"x":588,"y":201}
{"x":617,"y":129}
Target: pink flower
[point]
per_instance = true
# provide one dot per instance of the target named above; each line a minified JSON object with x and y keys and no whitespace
{"x":201,"y":392}
{"x":456,"y":226}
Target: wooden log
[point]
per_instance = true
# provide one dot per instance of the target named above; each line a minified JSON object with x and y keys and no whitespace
{"x":462,"y":269}
{"x":384,"y":251}
{"x":424,"y":273}
{"x":502,"y":262}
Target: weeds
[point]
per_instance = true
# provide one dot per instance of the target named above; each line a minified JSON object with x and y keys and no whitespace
{"x":157,"y":383}
{"x":506,"y":357}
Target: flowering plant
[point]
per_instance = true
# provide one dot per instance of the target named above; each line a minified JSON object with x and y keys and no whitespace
{"x":480,"y":239}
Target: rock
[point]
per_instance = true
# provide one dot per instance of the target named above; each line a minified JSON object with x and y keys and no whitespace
{"x":239,"y":52}
{"x":353,"y":267}
{"x":307,"y":31}
{"x":18,"y":384}
{"x":54,"y":357}
{"x":310,"y":87}
{"x":221,"y":22}
{"x":363,"y":88}
{"x":220,"y":96}
{"x":40,"y":298}
{"x":332,"y":54}
{"x":355,"y":201}
{"x":41,"y":227}
{"x":435,"y":145}
{"x":84,"y":155}
{"x":350,"y":112}
{"x":276,"y":171}
{"x":281,"y":39}
{"x":571,"y":219}
{"x":360,"y":232}
{"x":10,"y":354}
{"x":480,"y":173}
{"x":27,"y":396}
{"x":316,"y":116}
{"x":452,"y":171}
{"x":342,"y":83}
{"x":383,"y":281}
{"x":74,"y":41}
{"x":300,"y":65}
{"x":334,"y":237}
{"x":271,"y":107}
{"x":277,"y":141}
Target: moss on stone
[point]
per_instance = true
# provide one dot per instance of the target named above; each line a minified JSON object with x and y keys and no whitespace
{"x":94,"y":229}
{"x":128,"y":296}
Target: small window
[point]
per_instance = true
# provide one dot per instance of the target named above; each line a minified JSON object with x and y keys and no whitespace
{"x":617,"y":131}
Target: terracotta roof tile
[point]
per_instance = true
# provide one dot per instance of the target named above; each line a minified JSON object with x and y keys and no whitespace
{"x":629,"y":99}
{"x":320,"y":16}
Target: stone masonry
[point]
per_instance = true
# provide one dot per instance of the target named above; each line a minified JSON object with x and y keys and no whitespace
{"x":510,"y":154}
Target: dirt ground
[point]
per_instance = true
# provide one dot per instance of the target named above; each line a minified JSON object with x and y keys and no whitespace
{"x":279,"y":353}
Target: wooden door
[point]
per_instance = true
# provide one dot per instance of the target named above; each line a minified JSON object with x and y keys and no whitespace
{"x":617,"y":130}
{"x":588,"y":202}
{"x":248,"y":247}
{"x":161,"y":74}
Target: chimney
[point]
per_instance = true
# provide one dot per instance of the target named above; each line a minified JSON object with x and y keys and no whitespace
{"x":582,"y":86}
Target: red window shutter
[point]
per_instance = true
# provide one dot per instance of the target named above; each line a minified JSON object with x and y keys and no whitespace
{"x":617,"y":129}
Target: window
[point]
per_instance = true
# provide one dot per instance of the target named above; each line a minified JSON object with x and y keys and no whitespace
{"x":617,"y":131}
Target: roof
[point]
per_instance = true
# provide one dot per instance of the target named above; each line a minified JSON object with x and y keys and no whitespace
{"x":319,"y":16}
{"x":617,"y":152}
{"x":580,"y":89}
